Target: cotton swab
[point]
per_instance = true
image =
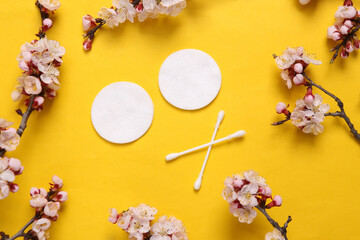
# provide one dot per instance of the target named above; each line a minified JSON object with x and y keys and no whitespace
{"x":173,"y":156}
{"x":198,"y":181}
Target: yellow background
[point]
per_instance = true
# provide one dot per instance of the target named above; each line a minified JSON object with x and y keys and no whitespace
{"x":317,"y":176}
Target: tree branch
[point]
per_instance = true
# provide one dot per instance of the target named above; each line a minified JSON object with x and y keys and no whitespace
{"x":91,"y":33}
{"x":22,"y":233}
{"x":24,"y":121}
{"x":283,"y":229}
{"x":342,"y":113}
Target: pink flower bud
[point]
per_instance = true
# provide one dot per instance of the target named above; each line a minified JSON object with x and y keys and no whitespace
{"x":20,"y":171}
{"x":344,"y":30}
{"x":14,"y":164}
{"x":348,"y":3}
{"x":268,"y":192}
{"x":51,"y":93}
{"x":38,"y":103}
{"x":298,"y":79}
{"x":349,"y":47}
{"x":344,"y":54}
{"x":113,"y":218}
{"x":61,"y":196}
{"x":14,"y":187}
{"x":330,"y":32}
{"x":298,"y":68}
{"x":47,"y":23}
{"x":336,"y":36}
{"x":238,"y":183}
{"x":356,"y":44}
{"x":349,"y":23}
{"x":139,"y":8}
{"x":278,"y":200}
{"x":87,"y":44}
{"x":88,"y":22}
{"x":309,"y":99}
{"x":281,"y":107}
{"x":23,"y":66}
{"x":58,"y":182}
{"x":309,"y":96}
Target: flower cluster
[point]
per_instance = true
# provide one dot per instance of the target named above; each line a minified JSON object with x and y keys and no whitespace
{"x":9,"y":168}
{"x":47,"y":205}
{"x":39,"y":60}
{"x":293,"y":63}
{"x":345,"y":28}
{"x":310,"y":111}
{"x":9,"y":139}
{"x":244,"y":192}
{"x":308,"y":114}
{"x":138,"y":222}
{"x":123,"y":10}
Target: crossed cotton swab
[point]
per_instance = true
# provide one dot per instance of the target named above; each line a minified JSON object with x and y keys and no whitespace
{"x":173,"y":156}
{"x":198,"y":181}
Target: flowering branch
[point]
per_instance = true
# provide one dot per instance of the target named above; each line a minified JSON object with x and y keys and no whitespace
{"x":138,"y":223}
{"x":47,"y":205}
{"x":123,"y":10}
{"x":345,"y":28}
{"x":342,"y":113}
{"x":283,"y":229}
{"x":39,"y":61}
{"x":247,"y":191}
{"x":309,"y":112}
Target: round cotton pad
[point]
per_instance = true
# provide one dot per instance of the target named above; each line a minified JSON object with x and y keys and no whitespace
{"x":122,"y":112}
{"x":189,"y":79}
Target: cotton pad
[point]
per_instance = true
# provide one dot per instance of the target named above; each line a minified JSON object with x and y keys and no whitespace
{"x":122,"y":112}
{"x":189,"y":79}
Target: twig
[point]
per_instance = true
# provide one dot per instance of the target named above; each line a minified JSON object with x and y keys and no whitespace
{"x":91,"y":34}
{"x":24,"y":121}
{"x":340,"y":113}
{"x":44,"y":15}
{"x":280,"y":122}
{"x":22,"y":233}
{"x":343,"y":43}
{"x":283,"y":229}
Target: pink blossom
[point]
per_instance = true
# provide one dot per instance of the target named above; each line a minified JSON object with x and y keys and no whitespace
{"x":62,"y":196}
{"x":4,"y":189}
{"x":281,"y":107}
{"x":32,"y":85}
{"x":23,"y":66}
{"x":58,"y":182}
{"x":42,"y":224}
{"x":38,"y":197}
{"x":113,"y":218}
{"x":14,"y":187}
{"x":9,"y":139}
{"x":38,"y":103}
{"x":14,"y":164}
{"x":51,"y":209}
{"x":7,"y":175}
{"x":278,"y":200}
